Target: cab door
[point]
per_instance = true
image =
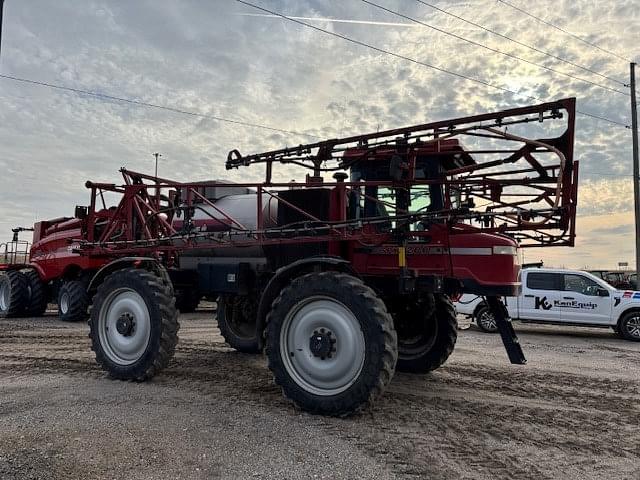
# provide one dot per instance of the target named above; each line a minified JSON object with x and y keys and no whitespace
{"x":541,"y":293}
{"x":582,"y":302}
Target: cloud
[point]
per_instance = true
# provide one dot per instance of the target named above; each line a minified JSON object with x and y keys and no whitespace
{"x":205,"y":57}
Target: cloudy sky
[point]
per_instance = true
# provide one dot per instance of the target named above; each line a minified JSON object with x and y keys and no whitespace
{"x":210,"y":57}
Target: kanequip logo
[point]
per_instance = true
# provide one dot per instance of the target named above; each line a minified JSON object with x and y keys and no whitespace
{"x":542,"y":303}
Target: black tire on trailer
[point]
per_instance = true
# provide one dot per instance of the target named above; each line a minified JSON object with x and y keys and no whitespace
{"x":237,"y":322}
{"x":73,"y":301}
{"x":331,"y":344}
{"x":14,"y":294}
{"x":38,"y":298}
{"x":134,"y":324}
{"x":629,"y":326}
{"x":187,"y":300}
{"x":484,"y":319}
{"x":428,"y":347}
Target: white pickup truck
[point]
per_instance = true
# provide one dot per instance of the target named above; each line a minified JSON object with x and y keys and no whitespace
{"x":567,"y":297}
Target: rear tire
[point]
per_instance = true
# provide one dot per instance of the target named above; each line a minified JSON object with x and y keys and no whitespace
{"x":73,"y":301}
{"x":37,"y":304}
{"x":237,"y":323}
{"x":14,"y":294}
{"x":134,"y":324}
{"x":429,"y":347}
{"x":484,"y":319}
{"x":331,"y":344}
{"x":629,"y":326}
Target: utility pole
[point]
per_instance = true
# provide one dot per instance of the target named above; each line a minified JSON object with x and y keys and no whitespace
{"x":636,"y":165}
{"x":157,"y":155}
{"x":1,"y":10}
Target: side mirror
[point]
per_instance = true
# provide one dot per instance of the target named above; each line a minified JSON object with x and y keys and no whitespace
{"x":603,"y":292}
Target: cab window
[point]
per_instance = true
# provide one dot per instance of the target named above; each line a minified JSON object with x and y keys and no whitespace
{"x":543,"y":281}
{"x":580,"y":284}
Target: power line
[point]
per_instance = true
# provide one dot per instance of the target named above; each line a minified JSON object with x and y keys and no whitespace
{"x":152,"y":105}
{"x":418,"y":62}
{"x":531,"y":47}
{"x":563,"y":30}
{"x":491,"y":49}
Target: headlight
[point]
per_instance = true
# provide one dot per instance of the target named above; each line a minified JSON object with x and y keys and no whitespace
{"x":505,"y":250}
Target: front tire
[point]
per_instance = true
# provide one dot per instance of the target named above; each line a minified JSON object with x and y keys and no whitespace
{"x":14,"y":294}
{"x":331,"y":344}
{"x":37,"y":303}
{"x":629,"y":326}
{"x":237,"y":322}
{"x":427,"y":334}
{"x":134,"y":324}
{"x":485,"y":320}
{"x":73,"y":301}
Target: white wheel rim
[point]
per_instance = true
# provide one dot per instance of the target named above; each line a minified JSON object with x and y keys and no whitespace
{"x":64,"y":303}
{"x":327,"y":317}
{"x":5,"y":295}
{"x":124,"y":348}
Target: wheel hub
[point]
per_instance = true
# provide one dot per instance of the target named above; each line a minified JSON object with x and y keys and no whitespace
{"x":125,"y":324}
{"x":322,"y":343}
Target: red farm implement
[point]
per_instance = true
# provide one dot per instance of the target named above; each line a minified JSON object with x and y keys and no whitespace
{"x":341,"y":280}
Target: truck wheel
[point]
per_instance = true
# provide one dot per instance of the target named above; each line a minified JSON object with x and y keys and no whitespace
{"x":14,"y":294}
{"x":133,"y":325}
{"x":73,"y":301}
{"x":37,"y":304}
{"x":187,"y":301}
{"x":629,"y":326}
{"x":484,"y":320}
{"x":427,"y":347}
{"x":331,"y":344}
{"x":237,"y":322}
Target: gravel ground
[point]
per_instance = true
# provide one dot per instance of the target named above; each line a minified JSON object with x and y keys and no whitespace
{"x":572,"y":412}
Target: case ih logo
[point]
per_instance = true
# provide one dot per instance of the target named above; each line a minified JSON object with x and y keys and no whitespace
{"x":542,"y":303}
{"x":411,"y":250}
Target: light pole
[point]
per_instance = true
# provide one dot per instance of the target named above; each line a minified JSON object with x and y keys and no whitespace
{"x":636,"y":162}
{"x":157,"y":155}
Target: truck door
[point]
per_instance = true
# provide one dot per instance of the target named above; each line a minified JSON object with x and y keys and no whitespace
{"x":539,"y":296}
{"x":581,"y":301}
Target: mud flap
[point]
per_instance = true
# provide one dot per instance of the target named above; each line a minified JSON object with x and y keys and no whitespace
{"x":508,"y":334}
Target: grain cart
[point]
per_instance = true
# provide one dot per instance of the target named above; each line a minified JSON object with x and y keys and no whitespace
{"x":340,"y":280}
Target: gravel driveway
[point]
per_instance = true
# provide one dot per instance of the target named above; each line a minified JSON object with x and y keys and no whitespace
{"x":572,"y":412}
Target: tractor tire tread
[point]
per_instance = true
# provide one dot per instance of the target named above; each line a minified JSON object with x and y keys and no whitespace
{"x":241,"y":344}
{"x":166,"y":339}
{"x":37,"y":304}
{"x":445,"y":342}
{"x":375,"y":376}
{"x":19,"y":294}
{"x":78,"y":301}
